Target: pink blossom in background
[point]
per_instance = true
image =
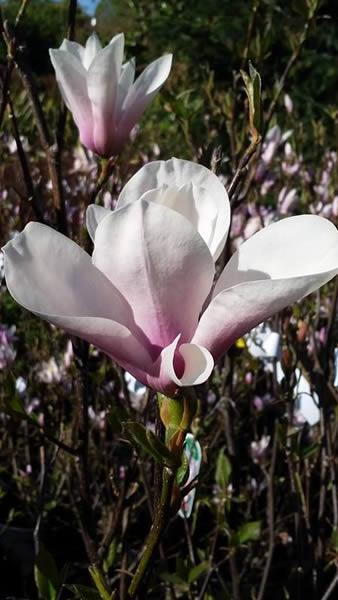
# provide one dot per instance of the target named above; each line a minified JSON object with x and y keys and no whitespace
{"x":101,"y":93}
{"x":147,"y":296}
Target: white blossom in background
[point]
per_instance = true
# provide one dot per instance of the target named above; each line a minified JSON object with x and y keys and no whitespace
{"x":101,"y":93}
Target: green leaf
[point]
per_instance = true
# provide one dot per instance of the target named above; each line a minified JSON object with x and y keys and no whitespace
{"x":334,"y":539}
{"x":223,"y":470}
{"x":83,"y":592}
{"x":136,"y":433}
{"x":253,"y":88}
{"x":101,"y":586}
{"x":14,"y":406}
{"x":175,"y":580}
{"x":46,"y":575}
{"x":111,"y":556}
{"x":249,"y":532}
{"x":197,"y":571}
{"x":116,"y":416}
{"x":183,"y":471}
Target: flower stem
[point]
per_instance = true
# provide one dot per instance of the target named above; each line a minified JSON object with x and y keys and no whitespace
{"x":161,"y":519}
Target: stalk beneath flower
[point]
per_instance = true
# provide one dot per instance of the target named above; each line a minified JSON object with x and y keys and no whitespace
{"x":160,"y":520}
{"x":177,"y":420}
{"x":105,"y":171}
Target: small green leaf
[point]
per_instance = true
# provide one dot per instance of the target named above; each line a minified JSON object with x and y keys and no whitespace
{"x":101,"y":586}
{"x":136,"y":433}
{"x":334,"y":539}
{"x":223,"y":470}
{"x":253,"y":88}
{"x":249,"y":532}
{"x":197,"y":571}
{"x":111,"y":556}
{"x":14,"y":406}
{"x":175,"y":580}
{"x":161,"y":449}
{"x":182,"y":474}
{"x":46,"y":575}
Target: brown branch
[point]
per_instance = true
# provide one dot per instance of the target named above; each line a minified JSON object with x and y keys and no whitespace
{"x":48,"y":146}
{"x":61,"y":125}
{"x":30,"y":190}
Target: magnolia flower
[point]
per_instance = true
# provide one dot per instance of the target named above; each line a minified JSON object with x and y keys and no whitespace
{"x":146,"y":297}
{"x":101,"y":93}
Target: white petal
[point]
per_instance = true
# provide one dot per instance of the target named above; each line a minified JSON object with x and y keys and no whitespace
{"x":71,"y":77}
{"x":203,"y":199}
{"x":93,"y":47}
{"x":158,"y":261}
{"x":94,"y":216}
{"x":276,"y":267}
{"x":126,"y":80}
{"x":48,"y":273}
{"x":102,"y":81}
{"x":198,"y":364}
{"x":142,"y":92}
{"x":293,"y":247}
{"x":54,"y":278}
{"x":74,"y":48}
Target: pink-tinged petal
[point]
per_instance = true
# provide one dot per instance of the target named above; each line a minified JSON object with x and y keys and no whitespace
{"x":93,"y":47}
{"x":157,"y":260}
{"x":278,"y":266}
{"x":71,"y":78}
{"x":293,"y":247}
{"x":126,"y":80}
{"x":102,"y":83}
{"x":94,"y":216}
{"x":73,"y":48}
{"x":189,"y":188}
{"x":196,"y":205}
{"x":54,"y":278}
{"x":180,"y":366}
{"x":141,"y":93}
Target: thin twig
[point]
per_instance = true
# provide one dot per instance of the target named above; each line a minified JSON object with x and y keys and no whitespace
{"x":49,"y":147}
{"x":271,"y":516}
{"x":242,"y":167}
{"x":11,"y":50}
{"x":331,"y":587}
{"x":30,"y":190}
{"x":61,"y":125}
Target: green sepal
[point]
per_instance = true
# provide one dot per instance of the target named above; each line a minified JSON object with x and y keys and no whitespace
{"x":171,"y":411}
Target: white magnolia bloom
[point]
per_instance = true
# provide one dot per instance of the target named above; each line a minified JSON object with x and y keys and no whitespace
{"x":101,"y":92}
{"x":147,"y":296}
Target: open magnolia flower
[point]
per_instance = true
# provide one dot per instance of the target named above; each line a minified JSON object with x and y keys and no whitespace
{"x":101,"y":93}
{"x":144,"y":297}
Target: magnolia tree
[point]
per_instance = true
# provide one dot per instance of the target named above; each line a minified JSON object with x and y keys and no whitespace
{"x":155,"y":287}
